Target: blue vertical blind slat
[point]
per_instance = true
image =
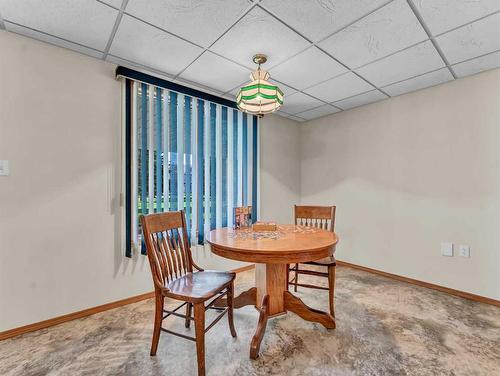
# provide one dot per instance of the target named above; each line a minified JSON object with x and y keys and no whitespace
{"x":213,"y":175}
{"x":245,"y":161}
{"x":200,"y":166}
{"x":224,"y":166}
{"x":201,"y":172}
{"x":173,"y":151}
{"x":143,"y":164}
{"x":187,"y":160}
{"x":159,"y":152}
{"x":235,"y":158}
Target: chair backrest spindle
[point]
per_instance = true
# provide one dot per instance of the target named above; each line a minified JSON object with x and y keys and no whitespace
{"x":322,"y":217}
{"x":168,"y":249}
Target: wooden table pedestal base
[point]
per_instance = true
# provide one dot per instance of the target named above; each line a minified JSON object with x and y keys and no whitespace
{"x":272,"y":298}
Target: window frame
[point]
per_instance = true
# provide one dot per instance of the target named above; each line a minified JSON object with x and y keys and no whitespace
{"x":129,"y":76}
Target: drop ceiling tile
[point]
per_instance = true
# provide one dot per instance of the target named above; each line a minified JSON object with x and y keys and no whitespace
{"x":149,"y":46}
{"x":389,"y":29}
{"x":318,"y":112}
{"x":84,"y":22}
{"x":477,"y":65}
{"x":360,"y":99}
{"x":339,"y":87}
{"x":288,"y":116}
{"x":52,"y":40}
{"x":318,"y":19}
{"x":443,"y":15}
{"x":307,"y":68}
{"x":299,"y":102}
{"x":297,"y":118}
{"x":413,"y":61}
{"x":287,"y":90}
{"x":114,"y":3}
{"x":281,"y":113}
{"x":475,"y":39}
{"x":215,"y":72}
{"x":258,"y":32}
{"x":420,"y":82}
{"x":201,"y":21}
{"x":141,"y":68}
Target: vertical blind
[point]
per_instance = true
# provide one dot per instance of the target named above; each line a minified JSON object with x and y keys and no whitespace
{"x":187,"y":153}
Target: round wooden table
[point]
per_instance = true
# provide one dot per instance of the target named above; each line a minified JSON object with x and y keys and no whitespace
{"x":271,"y":253}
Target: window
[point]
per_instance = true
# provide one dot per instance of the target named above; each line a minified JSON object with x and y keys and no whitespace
{"x":185,"y":150}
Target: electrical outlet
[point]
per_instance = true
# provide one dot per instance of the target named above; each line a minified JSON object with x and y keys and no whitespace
{"x":447,"y":249}
{"x":464,"y":250}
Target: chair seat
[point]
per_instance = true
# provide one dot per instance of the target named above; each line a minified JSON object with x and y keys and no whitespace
{"x":199,"y":285}
{"x":330,"y":260}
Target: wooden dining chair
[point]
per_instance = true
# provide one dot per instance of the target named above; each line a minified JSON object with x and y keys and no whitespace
{"x":172,"y":268}
{"x":322,"y":217}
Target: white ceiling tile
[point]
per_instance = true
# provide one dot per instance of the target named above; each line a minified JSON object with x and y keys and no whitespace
{"x":141,"y":68}
{"x":215,"y":72}
{"x":281,"y":113}
{"x":318,"y":19}
{"x":149,"y":46}
{"x":258,"y":32}
{"x":114,"y":3}
{"x":411,"y":62}
{"x":299,"y":102}
{"x":201,"y":21}
{"x":360,"y":100}
{"x":318,"y":112}
{"x":472,"y":40}
{"x":287,"y":90}
{"x":477,"y":65}
{"x":85,"y":22}
{"x":297,"y":118}
{"x":288,"y":116}
{"x":307,"y":68}
{"x":52,"y":40}
{"x":420,"y":82}
{"x":339,"y":87}
{"x":383,"y":32}
{"x":443,"y":15}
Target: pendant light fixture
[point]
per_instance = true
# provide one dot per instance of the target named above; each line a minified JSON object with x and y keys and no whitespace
{"x":259,"y":97}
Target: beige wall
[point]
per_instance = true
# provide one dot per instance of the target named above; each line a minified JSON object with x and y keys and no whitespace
{"x":60,"y":121}
{"x":279,"y":168}
{"x":59,"y":219}
{"x":410,"y":172}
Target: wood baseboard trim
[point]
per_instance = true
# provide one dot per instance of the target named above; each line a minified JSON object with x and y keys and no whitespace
{"x":73,"y":316}
{"x":87,"y":312}
{"x":461,"y":294}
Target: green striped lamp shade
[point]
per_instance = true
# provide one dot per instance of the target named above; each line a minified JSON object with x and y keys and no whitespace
{"x":260,"y":96}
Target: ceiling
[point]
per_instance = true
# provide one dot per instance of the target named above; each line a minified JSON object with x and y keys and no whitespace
{"x":326,"y":55}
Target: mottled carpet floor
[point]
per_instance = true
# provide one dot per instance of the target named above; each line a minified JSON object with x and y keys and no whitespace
{"x":384,"y":327}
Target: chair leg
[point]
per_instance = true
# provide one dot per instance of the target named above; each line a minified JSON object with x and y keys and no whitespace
{"x":296,"y":277}
{"x":331,"y":288}
{"x":157,"y":325}
{"x":189,"y":307}
{"x":199,"y":324}
{"x":230,"y":306}
{"x":287,"y":276}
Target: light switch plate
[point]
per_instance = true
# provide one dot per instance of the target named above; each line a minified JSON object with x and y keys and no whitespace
{"x":464,"y":250}
{"x":4,"y":168}
{"x":447,"y":249}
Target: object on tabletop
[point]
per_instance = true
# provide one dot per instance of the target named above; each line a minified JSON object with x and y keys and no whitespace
{"x":264,"y":226}
{"x":242,"y":217}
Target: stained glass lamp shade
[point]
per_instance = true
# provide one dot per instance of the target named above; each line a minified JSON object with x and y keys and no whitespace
{"x":260,"y":96}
